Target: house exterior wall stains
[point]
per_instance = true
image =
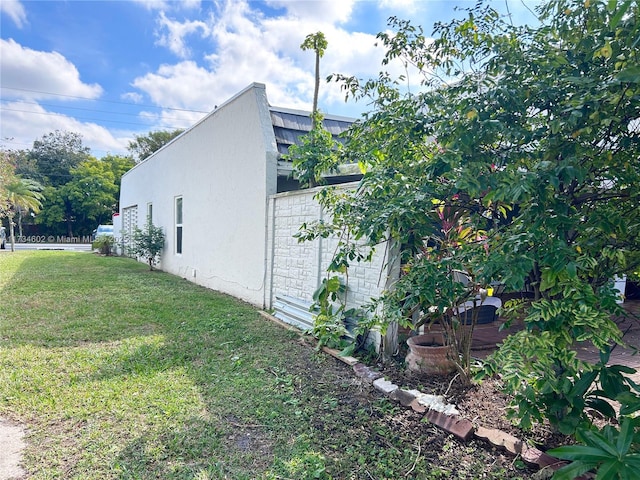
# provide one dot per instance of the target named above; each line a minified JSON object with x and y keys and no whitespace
{"x":224,"y":168}
{"x":297,"y":269}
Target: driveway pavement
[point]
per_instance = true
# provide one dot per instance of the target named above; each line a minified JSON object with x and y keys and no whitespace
{"x":78,"y":247}
{"x":11,"y":446}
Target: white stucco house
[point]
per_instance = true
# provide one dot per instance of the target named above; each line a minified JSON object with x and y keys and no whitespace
{"x":212,"y":190}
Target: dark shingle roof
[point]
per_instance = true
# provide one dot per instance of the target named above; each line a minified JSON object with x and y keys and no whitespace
{"x":290,"y":125}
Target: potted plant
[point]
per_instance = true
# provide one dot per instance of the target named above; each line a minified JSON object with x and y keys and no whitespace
{"x":430,"y":293}
{"x":430,"y":353}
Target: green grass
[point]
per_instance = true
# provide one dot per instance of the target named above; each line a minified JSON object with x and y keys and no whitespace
{"x":118,"y":372}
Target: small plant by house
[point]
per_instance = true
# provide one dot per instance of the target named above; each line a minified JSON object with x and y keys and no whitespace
{"x":430,"y":291}
{"x":104,"y":244}
{"x":148,"y":243}
{"x":334,"y":325}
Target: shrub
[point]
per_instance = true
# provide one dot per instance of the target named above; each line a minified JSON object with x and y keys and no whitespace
{"x":104,"y":244}
{"x":148,"y":243}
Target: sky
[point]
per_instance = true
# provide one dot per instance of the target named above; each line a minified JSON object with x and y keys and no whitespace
{"x":111,"y":70}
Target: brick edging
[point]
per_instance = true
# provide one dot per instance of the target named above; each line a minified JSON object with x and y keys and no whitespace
{"x":461,"y":428}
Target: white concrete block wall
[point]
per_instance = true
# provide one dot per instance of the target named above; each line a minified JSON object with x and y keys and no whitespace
{"x":224,"y":169}
{"x":297,"y":269}
{"x":294,"y":265}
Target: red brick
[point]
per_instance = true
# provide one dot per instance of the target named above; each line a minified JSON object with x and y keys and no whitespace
{"x":531,"y":456}
{"x":536,"y":458}
{"x":463,"y":429}
{"x":501,"y":439}
{"x":554,"y":463}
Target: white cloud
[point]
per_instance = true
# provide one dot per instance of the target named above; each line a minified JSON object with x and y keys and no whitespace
{"x":133,"y":97}
{"x":244,"y":46}
{"x":21,"y":121}
{"x":29,"y":76}
{"x":174,"y":119}
{"x":183,"y":85}
{"x":250,"y":47}
{"x":169,"y":4}
{"x":43,"y":73}
{"x":309,"y":11}
{"x":15,"y":11}
{"x":400,"y":6}
{"x":172,"y":34}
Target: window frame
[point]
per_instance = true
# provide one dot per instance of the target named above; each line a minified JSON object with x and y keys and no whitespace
{"x":178,"y":222}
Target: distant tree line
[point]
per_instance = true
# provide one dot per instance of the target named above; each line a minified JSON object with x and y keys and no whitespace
{"x":58,"y":188}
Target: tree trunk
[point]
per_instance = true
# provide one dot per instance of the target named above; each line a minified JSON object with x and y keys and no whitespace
{"x":20,"y":222}
{"x":390,"y":340}
{"x":69,"y":227}
{"x":12,"y":232}
{"x":316,"y":88}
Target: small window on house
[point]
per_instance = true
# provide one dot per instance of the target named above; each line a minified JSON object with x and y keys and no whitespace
{"x":178,"y":224}
{"x":150,"y":213}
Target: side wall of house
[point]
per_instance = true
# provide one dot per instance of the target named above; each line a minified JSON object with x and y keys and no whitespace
{"x":296,"y":269}
{"x":224,"y":169}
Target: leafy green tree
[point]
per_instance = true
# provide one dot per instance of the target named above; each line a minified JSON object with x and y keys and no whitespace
{"x":88,"y":199}
{"x":50,"y":162}
{"x":7,"y":172}
{"x":318,"y":152}
{"x":54,"y":156}
{"x":95,"y":187}
{"x":57,"y":214}
{"x":79,"y":190}
{"x":144,"y":145}
{"x":25,"y":164}
{"x":92,"y":191}
{"x":148,"y":243}
{"x":119,"y":165}
{"x":21,"y":165}
{"x":21,"y":193}
{"x":534,"y":133}
{"x":573,"y":177}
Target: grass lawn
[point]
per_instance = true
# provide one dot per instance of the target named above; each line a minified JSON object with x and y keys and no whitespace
{"x":118,"y":372}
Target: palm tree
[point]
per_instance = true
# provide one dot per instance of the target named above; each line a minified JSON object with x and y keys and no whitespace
{"x":318,"y":43}
{"x":22,"y":194}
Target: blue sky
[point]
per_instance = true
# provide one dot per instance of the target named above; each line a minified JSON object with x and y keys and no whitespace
{"x":110,"y":70}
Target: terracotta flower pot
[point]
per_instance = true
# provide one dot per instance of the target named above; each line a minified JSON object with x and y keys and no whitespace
{"x":428,"y":354}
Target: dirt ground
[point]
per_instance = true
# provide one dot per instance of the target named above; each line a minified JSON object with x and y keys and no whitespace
{"x":483,"y":404}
